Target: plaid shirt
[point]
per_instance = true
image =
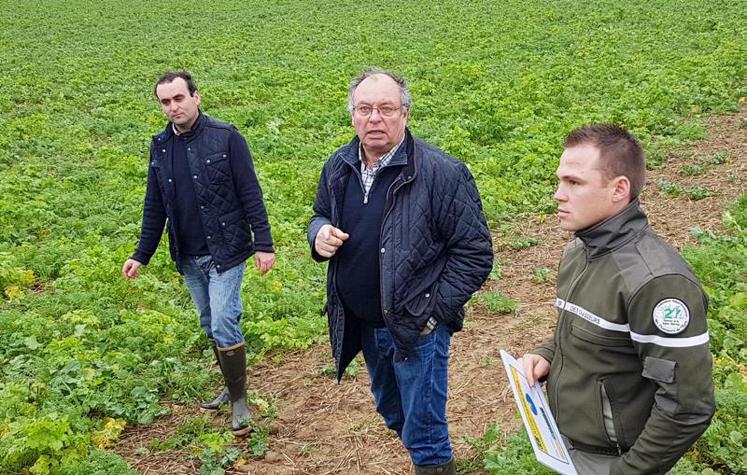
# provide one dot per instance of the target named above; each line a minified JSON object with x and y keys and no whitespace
{"x":369,"y":174}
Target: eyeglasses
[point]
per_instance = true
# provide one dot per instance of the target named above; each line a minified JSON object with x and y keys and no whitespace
{"x":384,"y":111}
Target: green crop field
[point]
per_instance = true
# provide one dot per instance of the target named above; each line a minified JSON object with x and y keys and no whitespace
{"x":497,"y":84}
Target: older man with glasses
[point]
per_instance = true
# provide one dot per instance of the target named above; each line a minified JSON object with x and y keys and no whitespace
{"x":402,"y":226}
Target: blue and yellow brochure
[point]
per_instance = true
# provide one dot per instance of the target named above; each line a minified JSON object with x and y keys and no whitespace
{"x":535,"y":412}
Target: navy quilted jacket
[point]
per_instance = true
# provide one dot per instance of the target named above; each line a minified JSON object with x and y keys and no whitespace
{"x":436,"y":250}
{"x":232,"y":211}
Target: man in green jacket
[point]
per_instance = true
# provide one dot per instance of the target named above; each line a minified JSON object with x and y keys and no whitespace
{"x":628,"y":369}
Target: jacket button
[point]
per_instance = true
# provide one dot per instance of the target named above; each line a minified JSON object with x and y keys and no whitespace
{"x":207,"y":161}
{"x":202,"y":206}
{"x":427,"y":295}
{"x":223,"y":223}
{"x":218,"y":266}
{"x":169,"y":180}
{"x":163,"y":150}
{"x":194,"y":176}
{"x":209,"y":237}
{"x":383,"y":250}
{"x":189,"y":148}
{"x":224,"y":155}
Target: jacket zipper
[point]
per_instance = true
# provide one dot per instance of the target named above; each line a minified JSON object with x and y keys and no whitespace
{"x":562,"y":314}
{"x":394,"y":188}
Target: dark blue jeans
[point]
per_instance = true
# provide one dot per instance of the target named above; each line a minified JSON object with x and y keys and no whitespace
{"x":217,"y":298}
{"x":411,"y":394}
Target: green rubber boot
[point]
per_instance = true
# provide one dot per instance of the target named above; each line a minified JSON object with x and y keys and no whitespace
{"x":448,"y":468}
{"x":223,"y":397}
{"x":233,"y":365}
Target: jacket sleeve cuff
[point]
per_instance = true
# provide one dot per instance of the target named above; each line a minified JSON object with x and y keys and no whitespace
{"x":263,"y":240}
{"x":543,"y":352}
{"x":141,"y":257}
{"x":314,"y":228}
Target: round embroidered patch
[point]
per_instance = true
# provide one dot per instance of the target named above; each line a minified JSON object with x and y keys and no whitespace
{"x":671,"y":316}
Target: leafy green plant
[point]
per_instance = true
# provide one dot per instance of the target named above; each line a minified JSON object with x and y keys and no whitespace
{"x":215,"y":453}
{"x":495,"y":302}
{"x":514,"y":455}
{"x":715,"y":159}
{"x":479,"y":448}
{"x":690,"y":170}
{"x":259,"y":442}
{"x":185,"y":433}
{"x":523,"y":243}
{"x":695,"y":192}
{"x":540,"y":275}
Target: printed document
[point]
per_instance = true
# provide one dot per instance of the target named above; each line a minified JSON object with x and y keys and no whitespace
{"x":543,"y":432}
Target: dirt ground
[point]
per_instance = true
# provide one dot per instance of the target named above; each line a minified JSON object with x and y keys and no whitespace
{"x":326,"y":428}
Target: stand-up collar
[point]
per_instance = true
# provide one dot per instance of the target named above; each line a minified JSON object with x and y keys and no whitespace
{"x":614,"y":231}
{"x":170,"y":130}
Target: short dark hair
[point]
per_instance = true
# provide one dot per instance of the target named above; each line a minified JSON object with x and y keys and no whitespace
{"x":169,"y":76}
{"x":620,"y":153}
{"x":405,"y":97}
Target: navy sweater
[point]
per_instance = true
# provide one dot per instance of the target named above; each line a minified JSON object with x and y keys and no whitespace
{"x":358,"y":276}
{"x":189,"y":232}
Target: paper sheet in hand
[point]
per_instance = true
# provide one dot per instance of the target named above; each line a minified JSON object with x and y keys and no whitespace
{"x":543,"y":432}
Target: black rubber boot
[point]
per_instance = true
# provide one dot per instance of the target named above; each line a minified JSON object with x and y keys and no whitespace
{"x":448,"y":468}
{"x":233,"y":365}
{"x":222,"y":397}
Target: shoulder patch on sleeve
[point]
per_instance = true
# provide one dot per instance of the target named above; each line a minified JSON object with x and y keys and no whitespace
{"x":671,"y":316}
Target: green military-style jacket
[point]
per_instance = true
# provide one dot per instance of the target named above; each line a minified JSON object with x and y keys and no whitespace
{"x":632,"y":332}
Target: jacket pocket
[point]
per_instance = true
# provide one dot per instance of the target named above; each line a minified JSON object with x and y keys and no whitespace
{"x":235,"y":229}
{"x":608,"y":338}
{"x":608,"y":416}
{"x":217,"y":167}
{"x":421,"y":303}
{"x":659,"y":369}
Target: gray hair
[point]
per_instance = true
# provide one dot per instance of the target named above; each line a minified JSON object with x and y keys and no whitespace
{"x":404,"y":89}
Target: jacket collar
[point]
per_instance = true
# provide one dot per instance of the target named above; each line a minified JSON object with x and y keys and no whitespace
{"x":615,"y":231}
{"x":401,"y":157}
{"x":168,"y":131}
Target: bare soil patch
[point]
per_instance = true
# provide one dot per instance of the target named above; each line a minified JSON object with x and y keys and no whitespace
{"x":326,"y":428}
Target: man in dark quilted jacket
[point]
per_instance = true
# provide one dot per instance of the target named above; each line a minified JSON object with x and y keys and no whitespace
{"x":402,"y":226}
{"x":202,"y":187}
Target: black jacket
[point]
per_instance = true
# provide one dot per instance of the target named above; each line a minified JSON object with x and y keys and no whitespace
{"x":435,"y":247}
{"x":232,"y":211}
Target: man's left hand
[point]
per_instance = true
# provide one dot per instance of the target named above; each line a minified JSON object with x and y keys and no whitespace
{"x":264,"y":261}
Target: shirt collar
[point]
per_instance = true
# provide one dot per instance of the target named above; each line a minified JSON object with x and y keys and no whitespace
{"x":190,"y":131}
{"x":383,"y":160}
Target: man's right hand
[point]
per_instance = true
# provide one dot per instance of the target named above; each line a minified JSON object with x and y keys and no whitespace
{"x":131,"y":269}
{"x":328,"y":240}
{"x":535,"y":367}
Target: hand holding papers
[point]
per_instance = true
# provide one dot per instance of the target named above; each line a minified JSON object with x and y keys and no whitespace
{"x":535,"y":412}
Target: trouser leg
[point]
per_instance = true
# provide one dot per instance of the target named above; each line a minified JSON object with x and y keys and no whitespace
{"x":378,"y":353}
{"x":411,"y":394}
{"x":422,"y":380}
